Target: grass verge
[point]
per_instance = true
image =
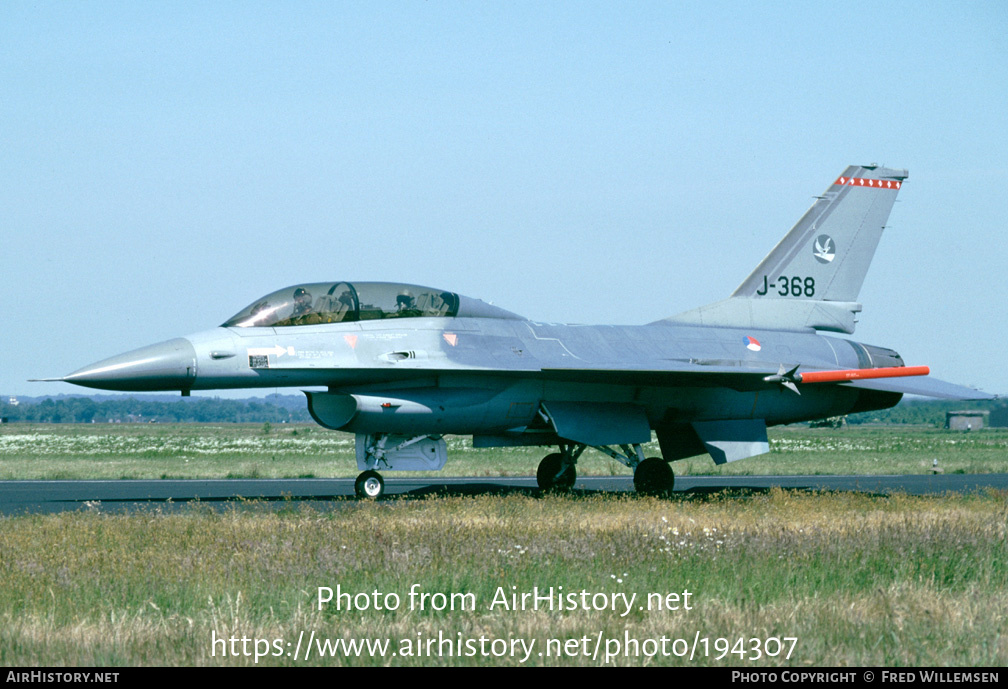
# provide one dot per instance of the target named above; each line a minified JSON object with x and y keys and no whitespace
{"x":856,"y":580}
{"x":150,"y":451}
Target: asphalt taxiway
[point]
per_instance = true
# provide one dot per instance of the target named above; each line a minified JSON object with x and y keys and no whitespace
{"x":27,"y":497}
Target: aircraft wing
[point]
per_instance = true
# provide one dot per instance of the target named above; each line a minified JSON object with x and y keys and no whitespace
{"x":665,"y":374}
{"x":668,"y":374}
{"x":732,"y":374}
{"x":742,"y":376}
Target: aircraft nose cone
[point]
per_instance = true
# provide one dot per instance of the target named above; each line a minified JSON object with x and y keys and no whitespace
{"x":167,"y":365}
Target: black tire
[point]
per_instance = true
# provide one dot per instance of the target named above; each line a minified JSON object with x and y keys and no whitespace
{"x":369,"y":485}
{"x":546,"y":475}
{"x":654,"y":477}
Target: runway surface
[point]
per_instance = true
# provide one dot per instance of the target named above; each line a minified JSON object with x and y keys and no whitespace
{"x":25,"y":497}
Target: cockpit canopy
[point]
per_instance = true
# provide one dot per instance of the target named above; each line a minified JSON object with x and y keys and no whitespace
{"x":342,"y":302}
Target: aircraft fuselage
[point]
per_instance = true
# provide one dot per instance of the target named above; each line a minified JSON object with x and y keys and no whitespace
{"x":514,"y":364}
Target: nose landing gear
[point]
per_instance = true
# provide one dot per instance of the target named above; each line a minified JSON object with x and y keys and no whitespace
{"x":369,"y":484}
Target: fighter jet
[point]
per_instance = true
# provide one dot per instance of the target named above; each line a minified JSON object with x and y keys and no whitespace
{"x":401,"y":366}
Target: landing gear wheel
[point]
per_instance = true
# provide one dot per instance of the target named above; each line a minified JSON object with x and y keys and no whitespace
{"x":654,"y":477}
{"x":369,"y":484}
{"x":549,"y":477}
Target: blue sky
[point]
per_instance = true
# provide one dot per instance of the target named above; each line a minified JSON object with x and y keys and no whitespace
{"x":166,"y":164}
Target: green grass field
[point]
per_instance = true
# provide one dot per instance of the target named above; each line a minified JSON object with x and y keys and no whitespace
{"x":854,"y":580}
{"x":776,"y":578}
{"x":112,"y":451}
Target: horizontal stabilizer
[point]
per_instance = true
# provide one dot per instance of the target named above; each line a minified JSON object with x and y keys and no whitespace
{"x":925,"y":387}
{"x":729,"y":441}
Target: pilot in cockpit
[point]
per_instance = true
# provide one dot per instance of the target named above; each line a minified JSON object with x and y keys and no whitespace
{"x":346,"y":299}
{"x":405,"y":305}
{"x":302,"y":302}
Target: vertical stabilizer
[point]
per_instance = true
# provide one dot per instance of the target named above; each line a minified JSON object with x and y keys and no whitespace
{"x":811,"y":279}
{"x":826,"y":255}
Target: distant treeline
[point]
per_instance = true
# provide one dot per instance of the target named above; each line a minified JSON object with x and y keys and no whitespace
{"x":128,"y":409}
{"x":293,"y":409}
{"x":927,"y":412}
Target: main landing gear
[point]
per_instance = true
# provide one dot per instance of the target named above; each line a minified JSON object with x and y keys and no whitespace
{"x":557,"y":471}
{"x":652,"y":475}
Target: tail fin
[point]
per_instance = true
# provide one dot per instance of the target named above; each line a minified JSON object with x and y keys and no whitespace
{"x":826,"y":254}
{"x":812,"y":278}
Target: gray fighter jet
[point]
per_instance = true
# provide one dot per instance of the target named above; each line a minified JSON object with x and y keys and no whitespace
{"x":404,"y":365}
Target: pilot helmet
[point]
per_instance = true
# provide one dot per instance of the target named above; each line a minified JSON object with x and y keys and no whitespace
{"x":405,"y":298}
